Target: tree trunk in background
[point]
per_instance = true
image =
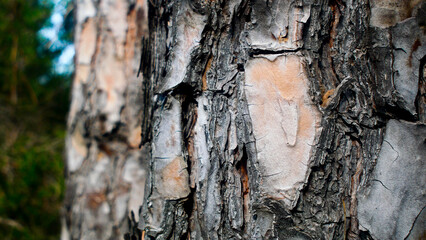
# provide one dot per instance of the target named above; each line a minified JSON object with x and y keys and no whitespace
{"x":105,"y":166}
{"x":284,"y":119}
{"x":259,"y":120}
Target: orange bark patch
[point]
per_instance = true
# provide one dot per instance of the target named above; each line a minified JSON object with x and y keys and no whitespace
{"x":174,"y":179}
{"x":306,"y":122}
{"x":94,"y":200}
{"x":192,"y":159}
{"x":130,"y":39}
{"x":106,"y":149}
{"x":284,"y":77}
{"x":209,"y":64}
{"x":284,"y":123}
{"x":81,"y":73}
{"x":336,"y":17}
{"x":282,"y":39}
{"x":78,"y":143}
{"x":135,"y":137}
{"x":87,"y":44}
{"x":326,"y":97}
{"x":242,"y":166}
{"x":135,"y":30}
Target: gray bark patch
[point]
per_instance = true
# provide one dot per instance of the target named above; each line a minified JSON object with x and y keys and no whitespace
{"x":390,"y":206}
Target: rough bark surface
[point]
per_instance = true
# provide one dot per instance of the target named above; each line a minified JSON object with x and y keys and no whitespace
{"x":105,"y":166}
{"x":284,"y":119}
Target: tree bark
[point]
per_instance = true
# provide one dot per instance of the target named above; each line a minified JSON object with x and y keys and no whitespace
{"x":105,"y":166}
{"x":284,"y":120}
{"x":272,"y":120}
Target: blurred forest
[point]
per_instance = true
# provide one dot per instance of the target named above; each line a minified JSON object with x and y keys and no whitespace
{"x":33,"y":106}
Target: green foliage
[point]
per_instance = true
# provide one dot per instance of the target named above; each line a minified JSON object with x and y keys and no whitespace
{"x":23,"y":57}
{"x":31,"y":182}
{"x":33,"y":106}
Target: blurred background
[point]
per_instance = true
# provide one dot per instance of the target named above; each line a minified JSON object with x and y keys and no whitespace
{"x":36,"y":65}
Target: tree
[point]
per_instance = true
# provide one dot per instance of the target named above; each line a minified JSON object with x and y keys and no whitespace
{"x":283,"y":120}
{"x":105,"y":173}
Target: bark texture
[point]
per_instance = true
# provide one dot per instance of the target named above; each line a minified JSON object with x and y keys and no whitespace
{"x":259,"y":119}
{"x":105,"y":166}
{"x":284,"y":119}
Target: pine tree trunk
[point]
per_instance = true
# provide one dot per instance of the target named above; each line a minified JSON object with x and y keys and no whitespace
{"x":105,"y":166}
{"x":282,"y":119}
{"x":285,"y":120}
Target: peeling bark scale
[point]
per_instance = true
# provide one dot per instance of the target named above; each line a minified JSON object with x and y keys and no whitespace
{"x":253,"y":119}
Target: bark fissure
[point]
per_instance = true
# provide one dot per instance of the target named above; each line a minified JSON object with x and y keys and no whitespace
{"x":414,"y":223}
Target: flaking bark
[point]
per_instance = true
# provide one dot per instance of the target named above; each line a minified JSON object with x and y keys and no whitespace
{"x":273,"y":120}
